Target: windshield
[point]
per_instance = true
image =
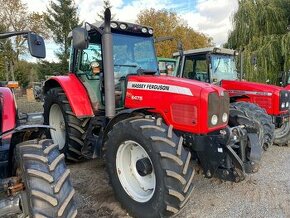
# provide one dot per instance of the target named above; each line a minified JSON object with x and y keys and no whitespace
{"x":223,"y":67}
{"x":132,"y":53}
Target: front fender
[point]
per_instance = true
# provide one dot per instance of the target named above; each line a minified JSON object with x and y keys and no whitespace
{"x":124,"y":114}
{"x":75,"y":92}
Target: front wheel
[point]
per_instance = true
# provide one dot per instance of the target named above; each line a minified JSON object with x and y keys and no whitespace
{"x":149,"y":169}
{"x":282,"y":134}
{"x":48,"y":190}
{"x":257,"y":113}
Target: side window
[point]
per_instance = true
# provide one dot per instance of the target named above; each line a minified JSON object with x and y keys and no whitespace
{"x":188,"y":68}
{"x":196,"y":68}
{"x":91,"y":54}
{"x":201,"y":70}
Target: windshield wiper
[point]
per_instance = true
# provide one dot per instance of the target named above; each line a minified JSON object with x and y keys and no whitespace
{"x":126,"y":65}
{"x":217,"y":66}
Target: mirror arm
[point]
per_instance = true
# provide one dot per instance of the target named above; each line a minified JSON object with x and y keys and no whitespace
{"x":10,"y":34}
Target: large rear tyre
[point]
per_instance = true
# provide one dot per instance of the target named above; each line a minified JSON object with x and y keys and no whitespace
{"x":70,"y":131}
{"x":255,"y":112}
{"x":149,"y":169}
{"x":48,"y":190}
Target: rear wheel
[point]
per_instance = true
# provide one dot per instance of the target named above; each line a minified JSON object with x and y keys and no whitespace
{"x":255,"y":112}
{"x":70,"y":131}
{"x":149,"y":169}
{"x":48,"y":190}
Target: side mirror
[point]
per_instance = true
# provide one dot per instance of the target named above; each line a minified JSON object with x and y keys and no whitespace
{"x":36,"y":45}
{"x":80,"y":38}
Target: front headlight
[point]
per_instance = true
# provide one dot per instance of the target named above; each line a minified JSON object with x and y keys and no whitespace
{"x":284,"y":100}
{"x":214,"y":120}
{"x":283,"y":105}
{"x":218,"y":109}
{"x":225,"y":117}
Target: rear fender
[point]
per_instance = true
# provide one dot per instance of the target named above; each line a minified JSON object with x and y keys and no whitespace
{"x":75,"y":92}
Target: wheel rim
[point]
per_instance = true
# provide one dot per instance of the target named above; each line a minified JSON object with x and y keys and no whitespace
{"x":283,"y":130}
{"x":135,"y":171}
{"x":56,"y":121}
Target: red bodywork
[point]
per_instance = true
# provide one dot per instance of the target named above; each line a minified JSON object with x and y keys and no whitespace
{"x":266,"y":96}
{"x":287,"y":87}
{"x":185,"y":105}
{"x":182,"y":103}
{"x":8,"y":109}
{"x":75,"y":92}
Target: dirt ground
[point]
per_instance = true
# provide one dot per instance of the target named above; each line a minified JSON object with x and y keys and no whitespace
{"x":263,"y":194}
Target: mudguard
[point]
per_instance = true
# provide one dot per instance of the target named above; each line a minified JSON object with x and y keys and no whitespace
{"x":8,"y":116}
{"x":75,"y":92}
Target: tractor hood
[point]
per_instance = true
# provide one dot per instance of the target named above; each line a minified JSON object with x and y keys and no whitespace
{"x":269,"y":97}
{"x":186,"y":104}
{"x":250,"y":86}
{"x":173,"y":85}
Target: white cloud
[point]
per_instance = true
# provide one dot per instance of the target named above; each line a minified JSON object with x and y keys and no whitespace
{"x":36,"y":5}
{"x":212,"y":17}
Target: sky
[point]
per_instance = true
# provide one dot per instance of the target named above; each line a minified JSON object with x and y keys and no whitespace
{"x":211,"y":17}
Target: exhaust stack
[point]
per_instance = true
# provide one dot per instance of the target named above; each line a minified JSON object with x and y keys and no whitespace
{"x":107,"y":44}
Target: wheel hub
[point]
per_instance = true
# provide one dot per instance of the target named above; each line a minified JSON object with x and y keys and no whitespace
{"x":135,"y":171}
{"x":144,"y":166}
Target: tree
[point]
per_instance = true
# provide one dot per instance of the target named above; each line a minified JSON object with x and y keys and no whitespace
{"x":15,"y":17}
{"x":166,"y":23}
{"x":260,"y":31}
{"x":61,"y":17}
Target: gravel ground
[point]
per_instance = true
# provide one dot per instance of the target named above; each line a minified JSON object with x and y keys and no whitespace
{"x":263,"y":194}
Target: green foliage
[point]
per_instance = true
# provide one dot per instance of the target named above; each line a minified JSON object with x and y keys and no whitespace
{"x":60,"y":19}
{"x":46,"y":68}
{"x":260,"y":31}
{"x":14,"y":16}
{"x":166,"y":23}
{"x":25,"y":73}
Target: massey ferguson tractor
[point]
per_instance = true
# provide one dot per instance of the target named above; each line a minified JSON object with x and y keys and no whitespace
{"x":149,"y":128}
{"x":34,"y":179}
{"x":268,"y":103}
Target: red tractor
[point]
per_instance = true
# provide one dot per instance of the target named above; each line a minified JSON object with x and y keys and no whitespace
{"x":268,"y":103}
{"x":34,"y":179}
{"x":150,"y":128}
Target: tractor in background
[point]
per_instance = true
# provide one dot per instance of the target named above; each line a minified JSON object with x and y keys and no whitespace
{"x":149,"y":128}
{"x":268,"y":103}
{"x":34,"y":178}
{"x":166,"y":66}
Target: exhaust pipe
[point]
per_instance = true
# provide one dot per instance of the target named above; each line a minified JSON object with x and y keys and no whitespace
{"x":107,"y":44}
{"x":10,"y":206}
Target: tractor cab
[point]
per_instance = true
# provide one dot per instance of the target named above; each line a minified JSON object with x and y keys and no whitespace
{"x":209,"y":65}
{"x":133,"y":53}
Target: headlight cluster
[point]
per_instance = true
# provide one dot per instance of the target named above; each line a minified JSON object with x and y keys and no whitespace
{"x":218,"y":109}
{"x":284,"y":100}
